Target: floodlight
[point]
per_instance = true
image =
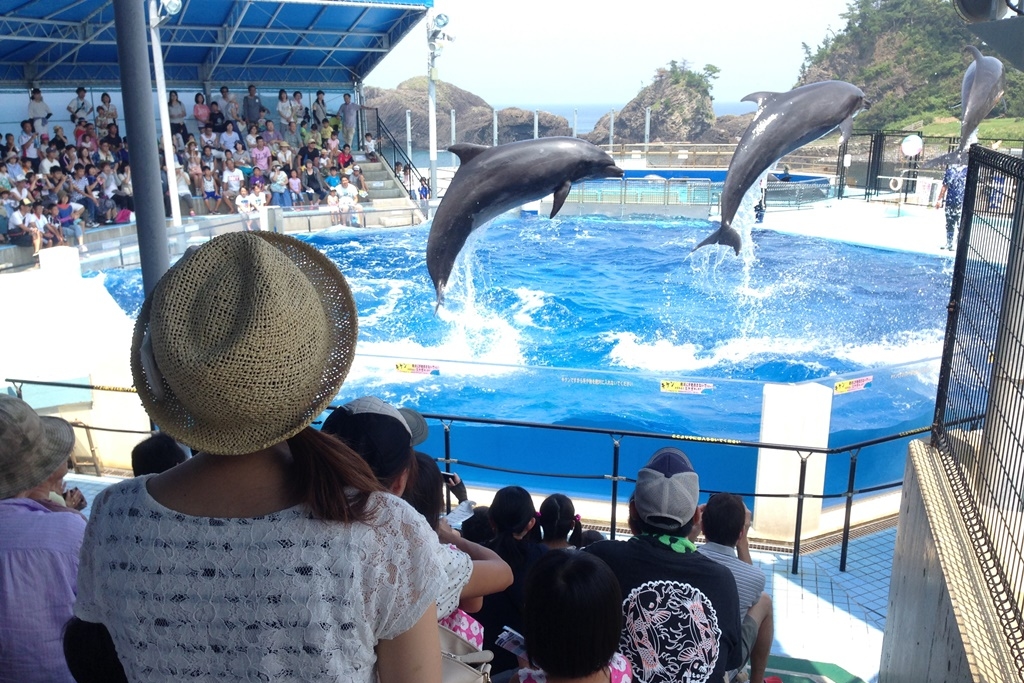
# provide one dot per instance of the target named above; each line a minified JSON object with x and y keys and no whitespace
{"x":973,"y":11}
{"x":170,"y":7}
{"x":440,"y":20}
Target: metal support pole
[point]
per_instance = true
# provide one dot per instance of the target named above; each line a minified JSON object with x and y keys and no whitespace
{"x":140,"y":119}
{"x":536,"y":124}
{"x":165,"y":120}
{"x":849,"y":509}
{"x":408,"y":133}
{"x":647,"y":131}
{"x":611,"y":131}
{"x":447,"y":459}
{"x":575,"y":122}
{"x":455,"y":159}
{"x":495,"y":118}
{"x":799,"y":511}
{"x":615,"y":485}
{"x":432,"y":112}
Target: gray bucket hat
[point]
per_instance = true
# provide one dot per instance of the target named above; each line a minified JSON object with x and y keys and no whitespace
{"x":31,"y":447}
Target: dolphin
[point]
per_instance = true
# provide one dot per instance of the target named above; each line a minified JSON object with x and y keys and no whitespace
{"x":492,"y":180}
{"x":981,"y":90}
{"x":783,"y":122}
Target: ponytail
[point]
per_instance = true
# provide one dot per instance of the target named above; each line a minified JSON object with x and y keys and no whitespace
{"x":576,"y":538}
{"x":558,"y":518}
{"x":324,"y":471}
{"x":510,"y":513}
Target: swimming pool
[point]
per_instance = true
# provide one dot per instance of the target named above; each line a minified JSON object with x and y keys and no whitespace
{"x":581,"y":320}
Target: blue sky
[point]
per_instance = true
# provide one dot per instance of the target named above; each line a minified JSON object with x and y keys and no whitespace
{"x":603,"y":51}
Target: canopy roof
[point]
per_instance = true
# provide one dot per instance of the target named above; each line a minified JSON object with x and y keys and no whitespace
{"x":319,"y":43}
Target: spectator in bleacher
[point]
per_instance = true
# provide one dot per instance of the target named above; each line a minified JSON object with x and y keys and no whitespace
{"x":125,"y":196}
{"x":68,"y":159}
{"x":103,"y":154}
{"x":299,"y":110}
{"x":217,"y":121}
{"x":80,"y":107}
{"x":81,"y":194}
{"x":573,"y":619}
{"x":28,"y":144}
{"x":184,"y":190}
{"x":6,"y":182}
{"x":680,"y":609}
{"x":355,"y":566}
{"x":345,"y":157}
{"x":517,"y":541}
{"x":69,"y":215}
{"x":252,"y":106}
{"x":155,"y":454}
{"x":295,"y":187}
{"x":348,"y":203}
{"x":272,"y":135}
{"x":14,"y":167}
{"x":39,"y":546}
{"x":49,"y":234}
{"x":279,"y":194}
{"x":286,"y":156}
{"x":201,"y":111}
{"x":243,"y":160}
{"x":291,"y":135}
{"x":58,"y":139}
{"x":81,"y":127}
{"x":310,"y":151}
{"x":109,"y":114}
{"x":231,"y":184}
{"x":19,"y":228}
{"x":285,"y":113}
{"x":39,"y":113}
{"x":348,"y":112}
{"x":49,"y":161}
{"x":725,"y":521}
{"x":559,"y":523}
{"x":194,"y":166}
{"x":229,"y":137}
{"x":312,"y":183}
{"x":319,"y":112}
{"x":112,"y":137}
{"x":478,"y":527}
{"x":210,"y":187}
{"x":176,"y":114}
{"x":228,"y":105}
{"x":258,"y":184}
{"x":260,"y":154}
{"x":208,"y":138}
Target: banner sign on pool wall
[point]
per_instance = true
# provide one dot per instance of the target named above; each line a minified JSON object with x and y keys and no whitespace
{"x":848,"y":385}
{"x":418,"y":368}
{"x":671,"y":386}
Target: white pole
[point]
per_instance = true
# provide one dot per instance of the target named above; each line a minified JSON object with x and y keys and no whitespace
{"x":408,"y":133}
{"x":455,"y":161}
{"x":611,"y":130}
{"x":536,"y":124}
{"x":575,"y":117}
{"x":165,"y":121}
{"x":432,"y":123}
{"x":494,"y":113}
{"x":647,"y":129}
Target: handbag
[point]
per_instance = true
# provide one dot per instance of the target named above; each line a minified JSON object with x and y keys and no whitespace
{"x":461,"y":661}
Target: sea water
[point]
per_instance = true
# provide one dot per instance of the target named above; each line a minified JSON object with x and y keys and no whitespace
{"x":613,"y":323}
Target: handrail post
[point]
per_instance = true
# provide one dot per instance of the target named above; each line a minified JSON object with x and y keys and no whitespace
{"x":615,"y":484}
{"x":447,"y":460}
{"x":799,"y":511}
{"x":849,"y":509}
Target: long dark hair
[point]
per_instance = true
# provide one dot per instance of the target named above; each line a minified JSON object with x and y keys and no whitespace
{"x":424,"y":492}
{"x":511,"y":512}
{"x":323,"y":469}
{"x":558,"y":517}
{"x":573,"y":613}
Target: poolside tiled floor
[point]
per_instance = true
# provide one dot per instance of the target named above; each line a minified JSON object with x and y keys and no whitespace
{"x":821,"y":613}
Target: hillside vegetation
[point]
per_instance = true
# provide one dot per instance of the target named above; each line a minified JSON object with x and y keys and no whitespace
{"x":907,"y":56}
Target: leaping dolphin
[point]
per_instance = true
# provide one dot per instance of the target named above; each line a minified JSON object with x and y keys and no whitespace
{"x":783,"y":122}
{"x":492,"y":180}
{"x":980,"y":92}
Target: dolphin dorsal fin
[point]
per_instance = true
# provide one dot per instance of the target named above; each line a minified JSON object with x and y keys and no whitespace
{"x":974,"y":52}
{"x":759,"y":97}
{"x":467,"y":151}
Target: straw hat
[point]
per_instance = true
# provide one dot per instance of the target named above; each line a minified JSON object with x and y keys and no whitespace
{"x":31,"y":447}
{"x":244,"y":342}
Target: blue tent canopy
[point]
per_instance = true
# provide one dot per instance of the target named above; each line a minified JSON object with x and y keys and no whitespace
{"x":318,"y":43}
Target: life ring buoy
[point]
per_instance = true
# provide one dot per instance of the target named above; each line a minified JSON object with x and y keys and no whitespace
{"x":896,"y":184}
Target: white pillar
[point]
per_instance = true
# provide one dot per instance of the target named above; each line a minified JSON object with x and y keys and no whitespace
{"x":797,"y":415}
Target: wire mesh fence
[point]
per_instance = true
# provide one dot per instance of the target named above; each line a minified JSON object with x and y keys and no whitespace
{"x":979,"y":412}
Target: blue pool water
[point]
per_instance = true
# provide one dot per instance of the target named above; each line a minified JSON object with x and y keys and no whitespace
{"x":580,"y":321}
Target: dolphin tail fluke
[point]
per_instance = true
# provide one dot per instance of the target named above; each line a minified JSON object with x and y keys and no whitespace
{"x":726,"y":235}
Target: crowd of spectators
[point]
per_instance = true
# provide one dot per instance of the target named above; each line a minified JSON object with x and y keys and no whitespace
{"x":283,"y":552}
{"x":282,"y":153}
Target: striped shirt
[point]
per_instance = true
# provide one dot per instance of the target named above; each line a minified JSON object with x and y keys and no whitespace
{"x":749,"y":579}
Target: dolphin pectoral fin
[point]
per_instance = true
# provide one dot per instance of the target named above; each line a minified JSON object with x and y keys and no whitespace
{"x":845,"y":130}
{"x":560,"y":194}
{"x":466,"y":151}
{"x":726,"y":235}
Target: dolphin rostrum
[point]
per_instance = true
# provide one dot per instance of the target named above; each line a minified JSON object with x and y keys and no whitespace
{"x":783,"y":122}
{"x":980,"y":92}
{"x":492,"y":180}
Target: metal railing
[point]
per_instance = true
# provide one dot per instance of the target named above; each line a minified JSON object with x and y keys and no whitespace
{"x":613,"y":472}
{"x":692,"y":192}
{"x":979,"y":412}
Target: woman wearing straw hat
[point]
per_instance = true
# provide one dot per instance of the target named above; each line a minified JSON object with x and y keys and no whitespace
{"x":273,"y":554}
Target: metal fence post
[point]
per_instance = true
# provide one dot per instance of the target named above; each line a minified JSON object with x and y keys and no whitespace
{"x":615,"y":484}
{"x":447,"y":459}
{"x":849,"y":509}
{"x":799,"y":511}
